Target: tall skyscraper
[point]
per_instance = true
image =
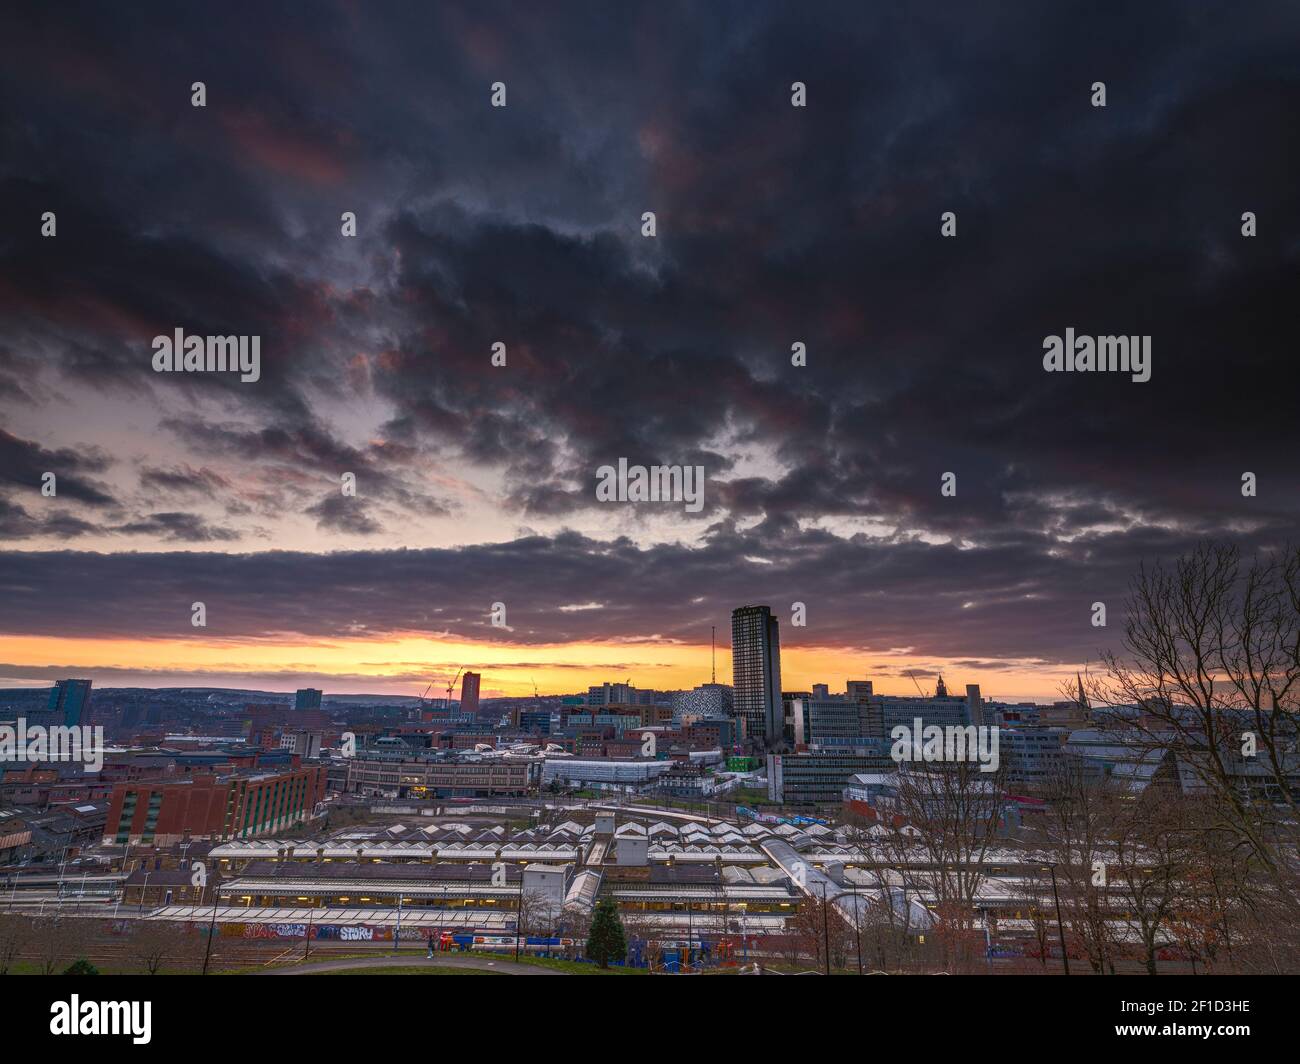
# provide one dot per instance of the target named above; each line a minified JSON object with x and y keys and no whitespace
{"x":756,"y":673}
{"x":469,"y":694}
{"x":307,"y":698}
{"x":71,"y":700}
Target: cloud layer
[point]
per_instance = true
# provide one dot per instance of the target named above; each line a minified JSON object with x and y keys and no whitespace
{"x":521,"y":225}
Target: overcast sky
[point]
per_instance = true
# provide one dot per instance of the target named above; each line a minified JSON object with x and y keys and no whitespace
{"x":523,"y":225}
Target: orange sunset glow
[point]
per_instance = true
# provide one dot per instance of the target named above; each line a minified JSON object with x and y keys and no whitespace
{"x":407,"y":665}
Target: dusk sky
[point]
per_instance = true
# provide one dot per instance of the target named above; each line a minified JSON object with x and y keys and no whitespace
{"x":522,"y":225}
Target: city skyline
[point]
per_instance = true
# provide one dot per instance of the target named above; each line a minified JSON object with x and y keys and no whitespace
{"x":817,"y":665}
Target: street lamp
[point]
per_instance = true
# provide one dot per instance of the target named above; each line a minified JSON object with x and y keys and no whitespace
{"x":212,"y":927}
{"x":63,"y":870}
{"x":690,"y":928}
{"x":826,"y":930}
{"x":1060,"y":927}
{"x":857,"y":922}
{"x":744,"y":936}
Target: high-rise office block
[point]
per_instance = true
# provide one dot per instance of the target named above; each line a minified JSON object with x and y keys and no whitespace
{"x":71,"y":700}
{"x":609,"y":694}
{"x":756,"y":673}
{"x":307,"y":698}
{"x":469,"y":694}
{"x":836,"y":721}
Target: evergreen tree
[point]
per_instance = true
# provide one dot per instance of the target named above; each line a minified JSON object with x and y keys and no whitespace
{"x":81,"y":967}
{"x":606,"y":942}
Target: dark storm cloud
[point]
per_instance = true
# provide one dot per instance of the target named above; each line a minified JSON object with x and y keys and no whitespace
{"x":183,"y":480}
{"x":16,"y":522}
{"x":305,"y":455}
{"x":343,"y":514}
{"x":23,"y":464}
{"x":775,"y":225}
{"x":176,"y":526}
{"x":925,"y":353}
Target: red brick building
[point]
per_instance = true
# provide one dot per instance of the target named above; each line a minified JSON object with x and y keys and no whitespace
{"x":207,"y":806}
{"x":469,"y":694}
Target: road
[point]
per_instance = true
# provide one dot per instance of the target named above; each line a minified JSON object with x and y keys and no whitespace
{"x":440,"y":960}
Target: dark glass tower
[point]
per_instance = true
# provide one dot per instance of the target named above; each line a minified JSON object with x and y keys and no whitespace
{"x":71,"y":700}
{"x":756,"y":673}
{"x":307,"y":698}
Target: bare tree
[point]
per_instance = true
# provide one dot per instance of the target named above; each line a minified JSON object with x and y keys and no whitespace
{"x":1150,"y":869}
{"x":958,"y":811}
{"x":577,"y":925}
{"x":1077,"y":839}
{"x":536,"y":914}
{"x":1034,"y":888}
{"x":794,"y":944}
{"x":819,"y":926}
{"x":1216,"y":900}
{"x":153,"y":942}
{"x":1212,"y":658}
{"x":643,"y":928}
{"x":55,"y":940}
{"x":16,"y":935}
{"x":1208,"y":681}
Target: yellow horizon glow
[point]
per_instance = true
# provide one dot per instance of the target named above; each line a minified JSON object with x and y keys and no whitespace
{"x":406,"y":665}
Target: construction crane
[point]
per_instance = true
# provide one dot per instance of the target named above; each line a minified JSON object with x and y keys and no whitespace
{"x":447,"y":704}
{"x":912,"y":675}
